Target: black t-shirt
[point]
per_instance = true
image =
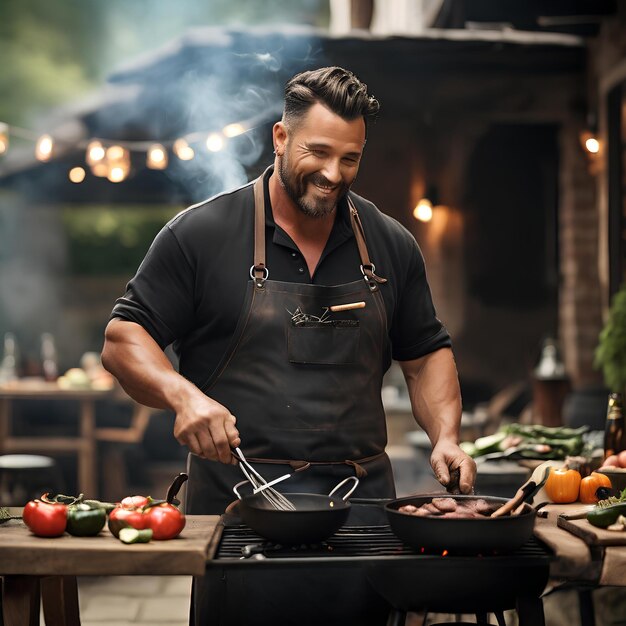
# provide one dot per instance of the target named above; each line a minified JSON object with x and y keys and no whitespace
{"x":190,"y":287}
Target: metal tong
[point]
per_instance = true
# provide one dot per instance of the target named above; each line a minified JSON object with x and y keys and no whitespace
{"x":524,"y":494}
{"x":260,"y":485}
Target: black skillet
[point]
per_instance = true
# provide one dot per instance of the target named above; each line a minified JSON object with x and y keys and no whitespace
{"x":461,"y":536}
{"x":485,"y":535}
{"x":316,"y":516}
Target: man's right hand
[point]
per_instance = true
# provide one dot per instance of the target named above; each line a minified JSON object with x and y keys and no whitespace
{"x":203,"y":425}
{"x":206,"y":427}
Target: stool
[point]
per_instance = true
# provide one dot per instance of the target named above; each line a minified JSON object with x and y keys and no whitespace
{"x":27,"y":476}
{"x":398,"y":618}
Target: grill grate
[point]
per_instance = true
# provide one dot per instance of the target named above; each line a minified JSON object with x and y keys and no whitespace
{"x":347,"y":542}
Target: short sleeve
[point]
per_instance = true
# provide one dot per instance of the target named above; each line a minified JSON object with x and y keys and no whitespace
{"x":160,"y":297}
{"x":416,"y":330}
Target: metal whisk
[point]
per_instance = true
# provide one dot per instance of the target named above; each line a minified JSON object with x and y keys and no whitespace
{"x":260,"y":485}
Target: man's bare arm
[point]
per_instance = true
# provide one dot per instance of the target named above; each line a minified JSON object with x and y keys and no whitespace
{"x":435,"y":395}
{"x":203,"y":425}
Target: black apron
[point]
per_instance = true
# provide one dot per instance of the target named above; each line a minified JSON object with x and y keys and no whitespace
{"x":304,"y":384}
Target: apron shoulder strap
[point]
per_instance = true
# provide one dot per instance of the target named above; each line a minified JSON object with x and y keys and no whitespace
{"x":259,"y":271}
{"x":367,"y":267}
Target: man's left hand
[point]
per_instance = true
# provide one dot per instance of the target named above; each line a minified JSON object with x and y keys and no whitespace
{"x":446,"y":459}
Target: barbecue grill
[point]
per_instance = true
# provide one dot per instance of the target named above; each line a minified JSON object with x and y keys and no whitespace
{"x":364,"y":574}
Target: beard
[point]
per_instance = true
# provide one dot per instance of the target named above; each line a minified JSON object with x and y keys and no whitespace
{"x":296,"y":189}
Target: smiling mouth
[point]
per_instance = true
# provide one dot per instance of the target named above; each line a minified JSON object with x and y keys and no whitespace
{"x":325,"y":190}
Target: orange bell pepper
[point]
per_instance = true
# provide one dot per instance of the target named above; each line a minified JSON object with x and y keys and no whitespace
{"x":563,"y":485}
{"x":589,"y":485}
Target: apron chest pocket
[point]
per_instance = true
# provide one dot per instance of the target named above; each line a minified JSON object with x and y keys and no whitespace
{"x":324,"y":343}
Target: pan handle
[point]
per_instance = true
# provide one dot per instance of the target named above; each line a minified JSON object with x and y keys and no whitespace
{"x":342,"y":483}
{"x":236,"y":488}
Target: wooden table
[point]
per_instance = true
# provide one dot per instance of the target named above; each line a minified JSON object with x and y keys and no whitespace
{"x":586,"y":554}
{"x":35,"y":567}
{"x":587,"y":557}
{"x":84,"y":445}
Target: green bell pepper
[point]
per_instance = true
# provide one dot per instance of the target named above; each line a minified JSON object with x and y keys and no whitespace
{"x":84,"y":520}
{"x":603,"y":516}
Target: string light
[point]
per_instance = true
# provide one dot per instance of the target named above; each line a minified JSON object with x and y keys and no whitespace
{"x":118,"y":163}
{"x":43,"y":149}
{"x":111,"y":159}
{"x":95,"y":152}
{"x":101,"y":170}
{"x":115,"y":153}
{"x":4,"y":137}
{"x":157,"y":157}
{"x":233,"y":130}
{"x":183,"y":150}
{"x":77,"y":175}
{"x":116,"y":174}
{"x":214,"y":142}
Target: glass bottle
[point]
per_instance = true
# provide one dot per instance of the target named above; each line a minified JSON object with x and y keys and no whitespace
{"x":49,"y":360}
{"x":614,"y":430}
{"x":8,"y":365}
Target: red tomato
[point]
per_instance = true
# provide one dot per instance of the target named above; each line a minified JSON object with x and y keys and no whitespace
{"x":134,"y":502}
{"x":122,"y":518}
{"x":45,"y":519}
{"x":165,"y":520}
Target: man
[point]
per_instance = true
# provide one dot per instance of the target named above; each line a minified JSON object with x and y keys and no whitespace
{"x":243,"y":285}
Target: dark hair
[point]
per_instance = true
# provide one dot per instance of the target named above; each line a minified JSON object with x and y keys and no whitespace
{"x":338,"y":89}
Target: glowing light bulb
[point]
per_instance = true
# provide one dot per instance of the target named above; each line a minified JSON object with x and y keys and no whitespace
{"x":183,"y":150}
{"x":77,"y":175}
{"x":423,"y":210}
{"x":157,"y":157}
{"x":214,"y":142}
{"x":115,"y":153}
{"x":43,"y":149}
{"x":95,"y":152}
{"x":592,"y":145}
{"x":4,"y":137}
{"x":232,"y":130}
{"x":100,"y":169}
{"x":116,"y":174}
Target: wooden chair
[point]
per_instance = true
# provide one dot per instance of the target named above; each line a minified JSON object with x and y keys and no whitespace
{"x":115,"y":441}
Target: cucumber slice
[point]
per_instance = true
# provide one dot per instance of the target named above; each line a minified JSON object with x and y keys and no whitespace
{"x":132,"y":535}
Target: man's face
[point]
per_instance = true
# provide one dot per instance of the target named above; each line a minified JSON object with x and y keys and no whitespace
{"x":319,"y":159}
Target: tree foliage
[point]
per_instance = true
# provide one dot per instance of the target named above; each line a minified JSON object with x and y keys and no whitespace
{"x":610,"y":354}
{"x":54,"y":52}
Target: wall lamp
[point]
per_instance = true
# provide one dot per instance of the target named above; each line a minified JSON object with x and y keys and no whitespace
{"x":423,"y":210}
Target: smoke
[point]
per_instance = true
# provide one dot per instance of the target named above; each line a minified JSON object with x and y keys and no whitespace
{"x":193,"y":87}
{"x":199,"y":85}
{"x":33,"y":257}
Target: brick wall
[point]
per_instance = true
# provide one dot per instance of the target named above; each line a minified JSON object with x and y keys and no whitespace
{"x":580,"y":295}
{"x":583,"y":210}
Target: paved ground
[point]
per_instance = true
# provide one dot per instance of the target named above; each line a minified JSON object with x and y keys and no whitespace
{"x":134,"y":600}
